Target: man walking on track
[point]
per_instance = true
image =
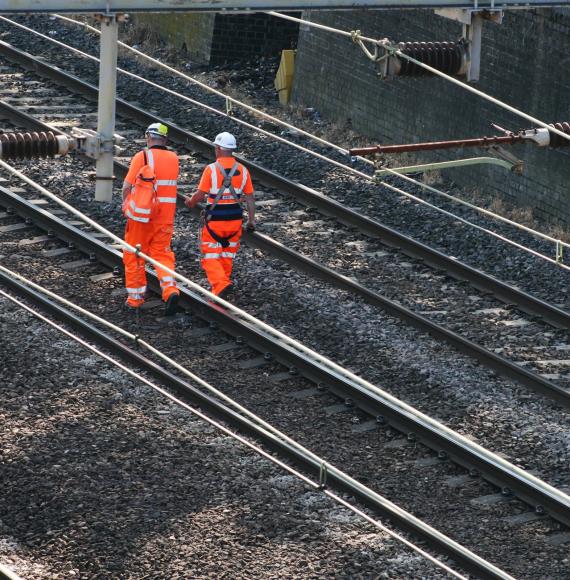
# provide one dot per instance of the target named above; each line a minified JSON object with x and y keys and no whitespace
{"x":149,"y":203}
{"x":223,"y":185}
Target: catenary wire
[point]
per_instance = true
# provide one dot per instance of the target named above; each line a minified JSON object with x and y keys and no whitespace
{"x":365,"y":176}
{"x":315,"y":485}
{"x":385,"y":43}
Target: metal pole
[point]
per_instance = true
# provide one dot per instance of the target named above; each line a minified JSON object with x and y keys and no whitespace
{"x":106,"y":109}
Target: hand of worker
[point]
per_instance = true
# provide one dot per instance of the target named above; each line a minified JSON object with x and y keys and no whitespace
{"x":250,"y":226}
{"x":188,"y":202}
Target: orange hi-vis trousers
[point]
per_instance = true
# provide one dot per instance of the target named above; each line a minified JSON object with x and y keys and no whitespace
{"x":154,"y":240}
{"x":217,"y":261}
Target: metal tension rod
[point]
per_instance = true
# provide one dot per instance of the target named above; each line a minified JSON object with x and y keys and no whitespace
{"x":541,"y":137}
{"x":510,"y":165}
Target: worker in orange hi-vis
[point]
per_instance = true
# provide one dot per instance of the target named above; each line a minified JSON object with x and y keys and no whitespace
{"x":224,"y":184}
{"x":149,"y":204}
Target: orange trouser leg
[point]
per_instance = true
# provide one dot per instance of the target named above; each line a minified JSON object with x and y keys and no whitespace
{"x":217,"y":261}
{"x":161,"y":251}
{"x":135,"y":275}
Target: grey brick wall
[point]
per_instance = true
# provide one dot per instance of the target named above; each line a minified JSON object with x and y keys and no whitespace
{"x":218,"y":38}
{"x":193,"y":32}
{"x":524,"y":62}
{"x":246,"y":36}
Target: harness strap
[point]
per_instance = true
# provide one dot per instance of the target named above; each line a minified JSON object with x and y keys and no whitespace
{"x":223,"y":241}
{"x":226,"y":184}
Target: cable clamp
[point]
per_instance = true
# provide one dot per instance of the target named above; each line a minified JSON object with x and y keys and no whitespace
{"x":559,"y":252}
{"x":323,"y":476}
{"x":355,"y":36}
{"x":229,"y":107}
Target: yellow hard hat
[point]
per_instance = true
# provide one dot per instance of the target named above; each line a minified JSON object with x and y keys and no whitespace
{"x":157,"y":129}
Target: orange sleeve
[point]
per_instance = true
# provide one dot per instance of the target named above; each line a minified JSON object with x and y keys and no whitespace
{"x":136,"y":163}
{"x":206,"y":180}
{"x":248,"y":188}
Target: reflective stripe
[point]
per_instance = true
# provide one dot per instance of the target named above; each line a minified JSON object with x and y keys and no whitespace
{"x":166,"y":199}
{"x":167,"y":281}
{"x":140,"y":290}
{"x":137,"y":219}
{"x":238,"y":190}
{"x":214,"y":245}
{"x":217,"y":256}
{"x":150,"y":158}
{"x":211,"y":197}
{"x":214,"y":191}
{"x":214,"y":188}
{"x":139,"y":209}
{"x":166,"y":182}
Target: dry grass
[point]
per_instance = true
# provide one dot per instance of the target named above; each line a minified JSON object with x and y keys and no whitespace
{"x":432,"y":177}
{"x":142,"y":34}
{"x":521,"y":215}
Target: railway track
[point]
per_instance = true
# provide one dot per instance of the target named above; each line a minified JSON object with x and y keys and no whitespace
{"x":272,"y":351}
{"x":308,"y":391}
{"x":371,"y":265}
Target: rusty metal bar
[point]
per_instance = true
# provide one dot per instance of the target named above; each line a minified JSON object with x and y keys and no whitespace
{"x":432,"y":145}
{"x":541,"y":137}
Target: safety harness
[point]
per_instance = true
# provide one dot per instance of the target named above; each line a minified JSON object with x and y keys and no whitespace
{"x":207,"y":215}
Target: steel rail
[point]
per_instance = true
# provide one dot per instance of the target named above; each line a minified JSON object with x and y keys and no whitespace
{"x":302,"y":263}
{"x":489,"y":359}
{"x":499,"y":472}
{"x":478,"y":279}
{"x":188,"y":393}
{"x":7,"y":574}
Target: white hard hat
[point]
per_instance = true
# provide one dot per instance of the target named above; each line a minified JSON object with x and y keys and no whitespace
{"x":157,"y":129}
{"x":225,"y":140}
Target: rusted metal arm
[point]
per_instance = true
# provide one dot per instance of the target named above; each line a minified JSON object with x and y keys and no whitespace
{"x":541,"y":137}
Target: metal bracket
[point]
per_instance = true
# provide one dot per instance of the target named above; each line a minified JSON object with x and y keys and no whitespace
{"x":472,"y":20}
{"x":92,"y":144}
{"x":517,"y":165}
{"x":323,"y":471}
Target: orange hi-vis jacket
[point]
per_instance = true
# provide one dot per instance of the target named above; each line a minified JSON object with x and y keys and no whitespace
{"x":228,"y":206}
{"x":165,"y":166}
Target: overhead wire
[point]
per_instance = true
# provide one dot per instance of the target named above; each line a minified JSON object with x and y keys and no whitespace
{"x":264,"y":427}
{"x":558,"y":243}
{"x":355,"y":35}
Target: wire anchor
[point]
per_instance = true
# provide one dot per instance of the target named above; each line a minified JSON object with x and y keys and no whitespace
{"x":323,"y":472}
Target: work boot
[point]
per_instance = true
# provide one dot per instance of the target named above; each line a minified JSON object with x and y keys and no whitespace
{"x":226,"y":291}
{"x":133,"y":312}
{"x":130,"y":308}
{"x":171,"y":304}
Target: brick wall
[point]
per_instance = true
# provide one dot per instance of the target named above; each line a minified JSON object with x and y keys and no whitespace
{"x":193,"y":32}
{"x":219,"y":38}
{"x":524,"y":63}
{"x":246,"y":36}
